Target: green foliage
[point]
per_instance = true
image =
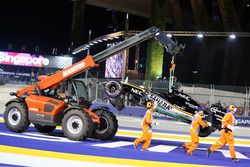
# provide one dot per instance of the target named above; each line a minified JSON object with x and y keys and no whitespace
{"x":155,"y":51}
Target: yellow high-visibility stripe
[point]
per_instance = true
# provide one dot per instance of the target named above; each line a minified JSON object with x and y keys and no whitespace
{"x":134,"y":86}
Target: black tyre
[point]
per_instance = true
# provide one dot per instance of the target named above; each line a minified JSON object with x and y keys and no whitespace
{"x":77,"y":125}
{"x":113,"y":89}
{"x":45,"y":128}
{"x":117,"y":103}
{"x":16,"y":117}
{"x":108,"y":125}
{"x":204,"y":132}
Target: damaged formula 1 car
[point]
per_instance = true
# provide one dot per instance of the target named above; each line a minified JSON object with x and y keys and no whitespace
{"x":176,"y":105}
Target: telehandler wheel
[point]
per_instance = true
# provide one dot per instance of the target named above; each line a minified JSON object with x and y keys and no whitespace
{"x":45,"y":128}
{"x":77,"y":125}
{"x":108,"y":127}
{"x":16,"y":117}
{"x":113,"y":89}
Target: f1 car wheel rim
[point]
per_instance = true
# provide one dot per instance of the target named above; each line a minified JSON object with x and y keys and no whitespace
{"x":74,"y":124}
{"x":104,"y":125}
{"x":113,"y":89}
{"x":14,"y":116}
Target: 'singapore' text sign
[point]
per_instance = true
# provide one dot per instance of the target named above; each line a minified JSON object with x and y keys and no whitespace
{"x":23,"y":59}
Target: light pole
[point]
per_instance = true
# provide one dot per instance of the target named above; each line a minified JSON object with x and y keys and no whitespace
{"x":195,"y":73}
{"x":125,"y":55}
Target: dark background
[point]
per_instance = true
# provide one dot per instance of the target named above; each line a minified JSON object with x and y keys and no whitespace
{"x":35,"y":23}
{"x":47,"y":24}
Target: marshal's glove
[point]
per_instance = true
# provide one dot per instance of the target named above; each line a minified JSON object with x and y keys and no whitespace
{"x":230,"y":127}
{"x":209,"y":124}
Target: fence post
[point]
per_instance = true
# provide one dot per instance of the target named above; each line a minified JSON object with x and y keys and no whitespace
{"x":96,"y":91}
{"x":129,"y":97}
{"x":247,"y":102}
{"x":193,"y":89}
{"x":126,"y":100}
{"x":211,"y":100}
{"x":89,"y":87}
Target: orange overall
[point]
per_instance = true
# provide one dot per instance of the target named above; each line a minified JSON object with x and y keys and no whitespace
{"x":194,"y":130}
{"x":226,"y":136}
{"x":146,"y":131}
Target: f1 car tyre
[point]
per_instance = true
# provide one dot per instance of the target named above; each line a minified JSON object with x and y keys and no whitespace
{"x":77,"y":125}
{"x":16,"y":117}
{"x":108,"y":125}
{"x":204,"y":132}
{"x":45,"y":128}
{"x":113,"y":89}
{"x":117,"y":103}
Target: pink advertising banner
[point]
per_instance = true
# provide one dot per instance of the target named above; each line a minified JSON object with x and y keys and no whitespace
{"x":23,"y":59}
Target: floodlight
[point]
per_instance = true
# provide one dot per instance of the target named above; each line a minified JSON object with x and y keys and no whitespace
{"x":232,"y":36}
{"x":169,"y":35}
{"x":200,"y":35}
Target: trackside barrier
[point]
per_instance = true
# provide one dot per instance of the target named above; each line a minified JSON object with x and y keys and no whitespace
{"x":129,"y":111}
{"x":132,"y":111}
{"x":242,"y":121}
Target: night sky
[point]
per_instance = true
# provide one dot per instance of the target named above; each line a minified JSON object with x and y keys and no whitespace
{"x":47,"y":24}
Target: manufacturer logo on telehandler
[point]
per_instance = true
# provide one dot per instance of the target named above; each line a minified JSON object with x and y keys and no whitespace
{"x":73,"y":69}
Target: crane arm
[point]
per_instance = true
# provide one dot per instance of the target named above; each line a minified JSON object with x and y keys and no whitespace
{"x":171,"y":46}
{"x":90,"y":61}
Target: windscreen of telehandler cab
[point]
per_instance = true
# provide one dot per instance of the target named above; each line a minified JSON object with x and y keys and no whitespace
{"x":82,"y":90}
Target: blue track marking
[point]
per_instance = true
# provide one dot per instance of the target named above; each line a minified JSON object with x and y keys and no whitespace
{"x":9,"y":165}
{"x":128,"y":152}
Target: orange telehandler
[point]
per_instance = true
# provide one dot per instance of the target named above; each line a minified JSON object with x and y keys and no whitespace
{"x":44,"y":104}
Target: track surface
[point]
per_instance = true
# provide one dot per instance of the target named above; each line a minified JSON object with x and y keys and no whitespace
{"x":35,"y":149}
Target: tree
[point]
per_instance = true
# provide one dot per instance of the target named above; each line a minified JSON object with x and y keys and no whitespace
{"x":155,"y":51}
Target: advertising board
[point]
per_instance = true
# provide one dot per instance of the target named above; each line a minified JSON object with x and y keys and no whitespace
{"x":32,"y":60}
{"x":113,"y":68}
